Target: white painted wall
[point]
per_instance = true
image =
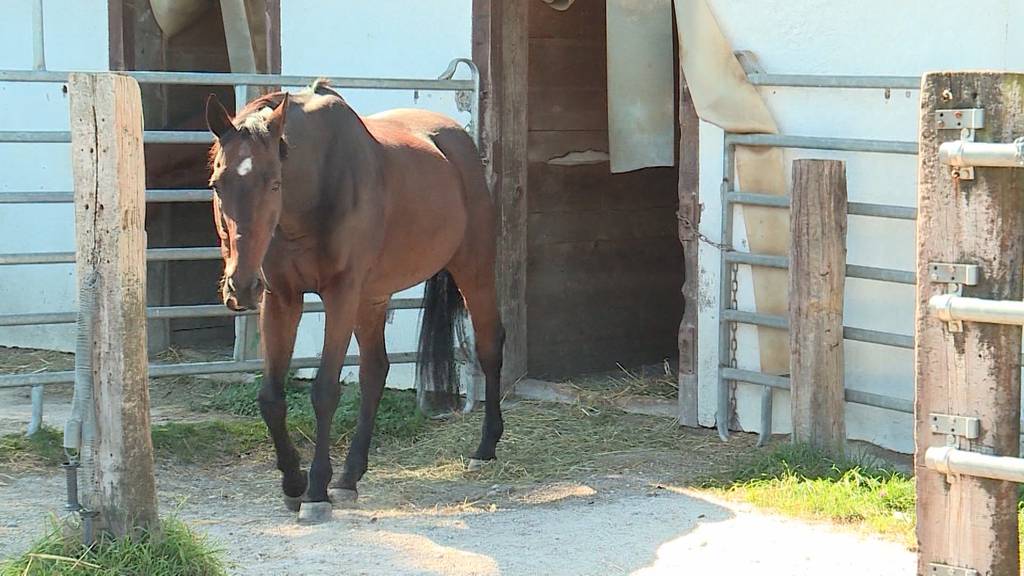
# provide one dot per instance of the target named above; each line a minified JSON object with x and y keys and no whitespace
{"x":396,"y":39}
{"x":870,"y":37}
{"x":76,"y":39}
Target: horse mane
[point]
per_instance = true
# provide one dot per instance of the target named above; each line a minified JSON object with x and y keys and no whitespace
{"x":255,"y":124}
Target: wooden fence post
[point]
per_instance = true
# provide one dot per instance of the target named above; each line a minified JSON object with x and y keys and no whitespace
{"x":817,"y":274}
{"x":964,"y":521}
{"x":110,"y":204}
{"x":689,"y":217}
{"x":501,"y":50}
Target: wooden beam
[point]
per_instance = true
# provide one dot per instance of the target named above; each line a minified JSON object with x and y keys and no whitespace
{"x":689,"y":217}
{"x":109,"y":174}
{"x":969,"y":522}
{"x":116,"y":24}
{"x":503,"y":62}
{"x":817,"y":275}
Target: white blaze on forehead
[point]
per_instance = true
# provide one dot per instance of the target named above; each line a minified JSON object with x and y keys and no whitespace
{"x":245,"y":166}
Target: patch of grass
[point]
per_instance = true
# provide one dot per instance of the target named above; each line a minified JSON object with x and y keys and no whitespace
{"x":185,"y":442}
{"x":398,"y":418}
{"x":176,"y":550}
{"x":799,"y":481}
{"x":43,"y":448}
{"x":207,"y":441}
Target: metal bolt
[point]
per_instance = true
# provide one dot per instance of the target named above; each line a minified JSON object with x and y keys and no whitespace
{"x":941,"y":123}
{"x":958,"y":114}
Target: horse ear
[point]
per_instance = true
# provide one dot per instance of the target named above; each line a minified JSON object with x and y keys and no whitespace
{"x":276,"y":121}
{"x":217,"y":118}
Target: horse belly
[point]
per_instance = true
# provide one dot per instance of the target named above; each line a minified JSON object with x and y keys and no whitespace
{"x":426,"y":226}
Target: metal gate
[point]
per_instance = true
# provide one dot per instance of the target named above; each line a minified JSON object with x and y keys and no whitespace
{"x":729,"y":314}
{"x":467,"y":93}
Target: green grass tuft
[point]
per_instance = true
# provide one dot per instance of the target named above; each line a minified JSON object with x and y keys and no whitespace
{"x":208,"y":441}
{"x":41,"y":449}
{"x":176,"y":550}
{"x":398,"y":418}
{"x":799,"y":481}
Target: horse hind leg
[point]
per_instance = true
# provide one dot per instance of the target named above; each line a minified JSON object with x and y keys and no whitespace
{"x":476,"y":283}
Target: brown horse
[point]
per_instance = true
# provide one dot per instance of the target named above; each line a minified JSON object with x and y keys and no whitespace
{"x":310,"y":197}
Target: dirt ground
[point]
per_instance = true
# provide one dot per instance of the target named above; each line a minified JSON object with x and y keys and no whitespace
{"x":636,"y":516}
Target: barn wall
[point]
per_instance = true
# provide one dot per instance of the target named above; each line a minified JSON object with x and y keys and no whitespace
{"x":604,"y":266}
{"x":873,"y":37}
{"x":76,"y":39}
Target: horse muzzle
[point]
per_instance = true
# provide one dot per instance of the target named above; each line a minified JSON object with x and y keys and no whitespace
{"x":245,"y":296}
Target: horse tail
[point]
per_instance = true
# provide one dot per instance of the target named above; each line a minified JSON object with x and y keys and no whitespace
{"x":442,"y":305}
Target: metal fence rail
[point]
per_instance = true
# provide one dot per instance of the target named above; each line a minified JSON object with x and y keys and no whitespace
{"x":235,"y":79}
{"x":730,"y":258}
{"x":188,"y":369}
{"x":821,"y":143}
{"x":176,"y":312}
{"x":852,"y":82}
{"x":445,"y":82}
{"x":158,"y":195}
{"x":852,"y":396}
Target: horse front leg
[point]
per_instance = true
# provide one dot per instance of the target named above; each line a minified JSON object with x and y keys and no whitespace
{"x":373,"y":372}
{"x":340,"y":306}
{"x":279,"y":320}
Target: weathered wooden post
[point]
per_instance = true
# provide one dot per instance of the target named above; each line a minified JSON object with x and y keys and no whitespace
{"x":970,"y":242}
{"x":110,"y":204}
{"x":817,"y":274}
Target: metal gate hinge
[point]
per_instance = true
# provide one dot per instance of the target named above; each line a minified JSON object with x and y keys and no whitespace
{"x":935,"y":569}
{"x":967,"y":121}
{"x":955,"y":276}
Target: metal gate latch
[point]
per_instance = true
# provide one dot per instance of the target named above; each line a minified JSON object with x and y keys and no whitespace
{"x":944,"y":570}
{"x":967,"y":121}
{"x":955,"y":276}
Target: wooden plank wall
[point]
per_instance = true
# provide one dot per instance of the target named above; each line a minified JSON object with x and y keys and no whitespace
{"x":604,"y":270}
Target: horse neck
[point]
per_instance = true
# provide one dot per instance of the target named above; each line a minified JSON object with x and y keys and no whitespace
{"x":348,"y":159}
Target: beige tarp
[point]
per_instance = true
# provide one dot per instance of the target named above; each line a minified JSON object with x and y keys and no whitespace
{"x":641,"y":111}
{"x":723,"y":96}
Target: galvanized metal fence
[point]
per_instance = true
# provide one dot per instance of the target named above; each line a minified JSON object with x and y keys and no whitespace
{"x":467,"y":93}
{"x":730,"y":316}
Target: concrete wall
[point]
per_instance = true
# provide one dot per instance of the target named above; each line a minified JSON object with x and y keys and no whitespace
{"x":872,"y":37}
{"x":76,"y":39}
{"x":399,"y":38}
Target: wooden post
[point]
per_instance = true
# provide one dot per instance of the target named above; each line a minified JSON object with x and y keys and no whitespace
{"x":689,"y":218}
{"x":817,"y":274}
{"x":965,"y":521}
{"x":503,"y":69}
{"x":110,"y":204}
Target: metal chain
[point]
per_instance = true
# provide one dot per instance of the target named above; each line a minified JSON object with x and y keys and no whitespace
{"x":733,"y":343}
{"x":734,"y":305}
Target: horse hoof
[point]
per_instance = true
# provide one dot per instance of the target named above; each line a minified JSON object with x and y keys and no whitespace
{"x":343,"y":497}
{"x":476,"y":464}
{"x":315,"y":512}
{"x":292,"y":503}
